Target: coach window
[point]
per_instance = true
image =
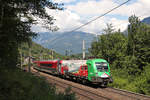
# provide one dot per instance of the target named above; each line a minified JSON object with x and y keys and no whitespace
{"x":85,"y":67}
{"x":46,"y":65}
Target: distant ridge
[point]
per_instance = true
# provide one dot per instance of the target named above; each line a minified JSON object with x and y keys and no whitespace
{"x":65,"y":41}
{"x":146,"y":20}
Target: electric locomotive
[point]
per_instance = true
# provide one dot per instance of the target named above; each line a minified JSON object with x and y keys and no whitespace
{"x":99,"y":71}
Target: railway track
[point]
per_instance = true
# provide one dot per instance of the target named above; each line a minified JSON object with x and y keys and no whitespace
{"x":132,"y":95}
{"x":82,"y":92}
{"x":79,"y":89}
{"x":90,"y":93}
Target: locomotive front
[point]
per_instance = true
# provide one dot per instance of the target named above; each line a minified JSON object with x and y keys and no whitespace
{"x":99,"y":72}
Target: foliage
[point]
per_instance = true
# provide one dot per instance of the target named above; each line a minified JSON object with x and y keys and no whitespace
{"x":132,"y":33}
{"x":38,"y":52}
{"x":109,"y":29}
{"x":129,"y":55}
{"x":16,"y":18}
{"x":18,"y":85}
{"x":110,"y":46}
{"x":94,"y":50}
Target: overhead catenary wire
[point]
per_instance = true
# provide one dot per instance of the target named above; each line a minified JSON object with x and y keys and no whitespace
{"x":100,"y":16}
{"x":128,"y":23}
{"x":96,"y":18}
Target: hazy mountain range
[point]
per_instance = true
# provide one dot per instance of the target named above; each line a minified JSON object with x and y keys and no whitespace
{"x":61,"y":42}
{"x":146,"y":20}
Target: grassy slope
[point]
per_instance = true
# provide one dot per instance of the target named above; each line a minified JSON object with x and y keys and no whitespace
{"x":18,"y":85}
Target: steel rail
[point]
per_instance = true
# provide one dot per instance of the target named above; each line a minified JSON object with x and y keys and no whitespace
{"x":130,"y":94}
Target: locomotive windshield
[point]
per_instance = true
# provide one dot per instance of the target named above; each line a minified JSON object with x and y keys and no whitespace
{"x":101,"y":66}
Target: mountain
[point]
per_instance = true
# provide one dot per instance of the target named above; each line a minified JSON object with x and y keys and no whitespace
{"x":146,"y":20}
{"x":61,"y":42}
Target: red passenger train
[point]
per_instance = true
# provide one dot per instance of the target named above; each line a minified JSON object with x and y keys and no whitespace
{"x":65,"y":68}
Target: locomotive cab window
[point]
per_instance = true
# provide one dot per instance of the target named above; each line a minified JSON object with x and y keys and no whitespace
{"x":101,"y":66}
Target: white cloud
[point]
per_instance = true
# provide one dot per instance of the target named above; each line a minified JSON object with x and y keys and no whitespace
{"x":65,"y":20}
{"x":92,"y":7}
{"x":119,"y":24}
{"x":140,"y":8}
{"x":100,"y":24}
{"x":79,"y":13}
{"x":96,"y":26}
{"x":38,"y":28}
{"x":63,"y":1}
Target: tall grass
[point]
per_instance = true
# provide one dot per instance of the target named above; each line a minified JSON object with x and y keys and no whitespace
{"x":18,"y":85}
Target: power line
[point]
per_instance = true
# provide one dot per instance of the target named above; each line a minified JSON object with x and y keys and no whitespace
{"x":128,"y":23}
{"x":95,"y":18}
{"x":100,"y":16}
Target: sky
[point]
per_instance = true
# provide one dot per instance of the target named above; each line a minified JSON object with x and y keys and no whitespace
{"x":79,"y":12}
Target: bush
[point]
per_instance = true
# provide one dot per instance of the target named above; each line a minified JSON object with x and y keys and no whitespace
{"x":139,"y":83}
{"x":143,"y":81}
{"x":18,"y":85}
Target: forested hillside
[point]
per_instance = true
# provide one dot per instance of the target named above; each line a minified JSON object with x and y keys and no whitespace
{"x":129,"y":56}
{"x":38,"y":52}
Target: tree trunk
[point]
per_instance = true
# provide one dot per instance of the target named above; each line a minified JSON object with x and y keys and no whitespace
{"x":2,"y":15}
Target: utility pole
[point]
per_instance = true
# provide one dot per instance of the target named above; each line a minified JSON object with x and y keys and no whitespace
{"x":41,"y":58}
{"x":29,"y":63}
{"x":83,"y":50}
{"x":52,"y":53}
{"x":21,"y":58}
{"x":66,"y":52}
{"x":29,"y":68}
{"x":69,"y":52}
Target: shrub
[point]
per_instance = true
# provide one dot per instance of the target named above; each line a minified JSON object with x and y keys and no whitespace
{"x":18,"y":85}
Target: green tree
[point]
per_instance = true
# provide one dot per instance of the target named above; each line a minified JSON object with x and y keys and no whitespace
{"x":138,"y":41}
{"x":142,"y":51}
{"x":111,"y":46}
{"x":132,"y":34}
{"x":95,"y":49}
{"x":16,"y":19}
{"x":109,"y":29}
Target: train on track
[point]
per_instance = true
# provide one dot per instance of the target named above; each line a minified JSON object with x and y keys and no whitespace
{"x":95,"y":71}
